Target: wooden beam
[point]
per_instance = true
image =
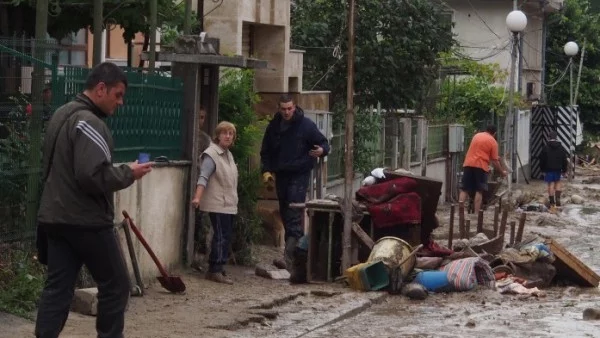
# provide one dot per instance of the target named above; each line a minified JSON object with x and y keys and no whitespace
{"x":522,"y":220}
{"x":362,"y":236}
{"x":451,"y":231}
{"x":480,"y":221}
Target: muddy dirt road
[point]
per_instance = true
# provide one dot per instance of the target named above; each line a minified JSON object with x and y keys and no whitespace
{"x":486,"y":313}
{"x":256,"y":307}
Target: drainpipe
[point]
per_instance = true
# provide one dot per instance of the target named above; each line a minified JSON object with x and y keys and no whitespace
{"x":544,"y":43}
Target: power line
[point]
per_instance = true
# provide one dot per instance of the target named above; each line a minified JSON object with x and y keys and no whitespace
{"x":480,"y":18}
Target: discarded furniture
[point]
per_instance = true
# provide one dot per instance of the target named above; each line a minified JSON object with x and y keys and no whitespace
{"x":570,"y":267}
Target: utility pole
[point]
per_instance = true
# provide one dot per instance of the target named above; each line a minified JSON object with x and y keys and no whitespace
{"x":187,"y":23}
{"x":98,"y":28}
{"x":153,"y":24}
{"x":349,"y":154}
{"x":35,"y":127}
{"x":509,"y":123}
{"x":200,"y":15}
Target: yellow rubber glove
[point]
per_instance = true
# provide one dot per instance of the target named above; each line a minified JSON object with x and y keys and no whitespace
{"x":267,"y":177}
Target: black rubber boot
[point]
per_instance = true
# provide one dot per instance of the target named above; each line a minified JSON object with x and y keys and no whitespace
{"x":557,"y":194}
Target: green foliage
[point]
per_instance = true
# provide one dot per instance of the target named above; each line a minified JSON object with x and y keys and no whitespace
{"x":576,"y":22}
{"x":476,"y":94}
{"x":236,"y":105}
{"x":71,"y":15}
{"x":21,"y":283}
{"x":396,"y":48}
{"x":14,"y":155}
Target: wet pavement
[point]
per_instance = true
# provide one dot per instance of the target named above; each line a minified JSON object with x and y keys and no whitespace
{"x":483,"y":312}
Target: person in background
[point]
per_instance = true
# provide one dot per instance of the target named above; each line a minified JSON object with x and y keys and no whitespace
{"x":482,"y":151}
{"x":76,"y":215}
{"x":554,"y":163}
{"x":216,"y":194}
{"x":203,"y":143}
{"x":290,"y":147}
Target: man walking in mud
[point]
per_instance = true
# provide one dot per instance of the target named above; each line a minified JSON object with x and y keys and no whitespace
{"x":482,"y":151}
{"x":290,"y":147}
{"x":76,"y":213}
{"x":554,"y":163}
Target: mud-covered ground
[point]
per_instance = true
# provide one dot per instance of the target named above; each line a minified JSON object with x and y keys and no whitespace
{"x":256,"y":307}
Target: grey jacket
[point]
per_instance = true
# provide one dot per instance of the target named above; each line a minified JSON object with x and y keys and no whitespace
{"x":78,"y":190}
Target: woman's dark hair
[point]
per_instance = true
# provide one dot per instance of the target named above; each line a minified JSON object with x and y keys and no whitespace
{"x":491,"y":129}
{"x":106,"y":72}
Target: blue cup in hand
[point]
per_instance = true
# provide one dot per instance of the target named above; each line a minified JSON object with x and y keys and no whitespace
{"x":143,"y":157}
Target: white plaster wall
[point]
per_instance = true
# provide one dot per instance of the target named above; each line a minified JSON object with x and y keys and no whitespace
{"x":436,"y":169}
{"x":483,"y":35}
{"x":336,"y":187}
{"x":272,"y":32}
{"x":156,"y":203}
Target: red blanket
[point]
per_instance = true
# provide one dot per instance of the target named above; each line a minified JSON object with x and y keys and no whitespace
{"x":385,"y":191}
{"x":403,"y":209}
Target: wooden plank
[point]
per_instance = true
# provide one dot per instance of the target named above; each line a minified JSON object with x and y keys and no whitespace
{"x":362,"y":236}
{"x":451,"y":231}
{"x":496,"y":217}
{"x":513,"y":225}
{"x":480,"y":221}
{"x":570,"y":267}
{"x":522,"y":220}
{"x":461,"y":219}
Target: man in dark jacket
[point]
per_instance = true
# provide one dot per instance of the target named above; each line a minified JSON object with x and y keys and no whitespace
{"x":290,"y":148}
{"x":76,"y":210}
{"x":554,"y":163}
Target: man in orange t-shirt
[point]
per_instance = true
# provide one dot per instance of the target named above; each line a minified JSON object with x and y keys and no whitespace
{"x":476,"y":167}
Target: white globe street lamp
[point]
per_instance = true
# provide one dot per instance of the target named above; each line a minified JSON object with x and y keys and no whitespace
{"x":516,"y":21}
{"x":571,"y":48}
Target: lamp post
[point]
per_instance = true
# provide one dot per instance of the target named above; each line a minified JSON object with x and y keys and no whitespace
{"x":571,"y":49}
{"x":516,"y":21}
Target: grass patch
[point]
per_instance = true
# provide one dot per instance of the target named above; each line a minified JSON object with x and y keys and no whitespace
{"x":21,"y":282}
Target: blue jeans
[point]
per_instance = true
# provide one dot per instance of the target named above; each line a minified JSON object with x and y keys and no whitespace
{"x":291,"y":188}
{"x":222,"y":229}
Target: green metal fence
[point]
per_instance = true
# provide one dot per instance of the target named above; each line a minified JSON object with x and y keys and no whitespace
{"x":335,"y":159}
{"x":150,"y":121}
{"x":437,"y":136}
{"x":25,"y":71}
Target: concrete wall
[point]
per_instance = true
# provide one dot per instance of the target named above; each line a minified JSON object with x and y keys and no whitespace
{"x":436,"y":168}
{"x":156,"y":204}
{"x":336,"y":187}
{"x":270,"y":21}
{"x":317,"y":100}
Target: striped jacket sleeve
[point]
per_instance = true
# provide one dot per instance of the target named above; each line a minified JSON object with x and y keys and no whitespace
{"x":92,"y":157}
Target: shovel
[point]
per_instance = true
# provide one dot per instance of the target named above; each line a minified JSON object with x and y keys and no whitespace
{"x":171,"y":283}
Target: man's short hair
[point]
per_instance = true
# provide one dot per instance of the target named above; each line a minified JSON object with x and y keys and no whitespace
{"x":285,"y":98}
{"x":106,"y":72}
{"x":552,"y":135}
{"x":491,"y":129}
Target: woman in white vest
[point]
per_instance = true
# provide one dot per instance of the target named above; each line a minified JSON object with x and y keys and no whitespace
{"x":216,"y":194}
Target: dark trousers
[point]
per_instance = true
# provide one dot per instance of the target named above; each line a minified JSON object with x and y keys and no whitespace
{"x":68,"y":250}
{"x":291,"y":188}
{"x":219,"y":250}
